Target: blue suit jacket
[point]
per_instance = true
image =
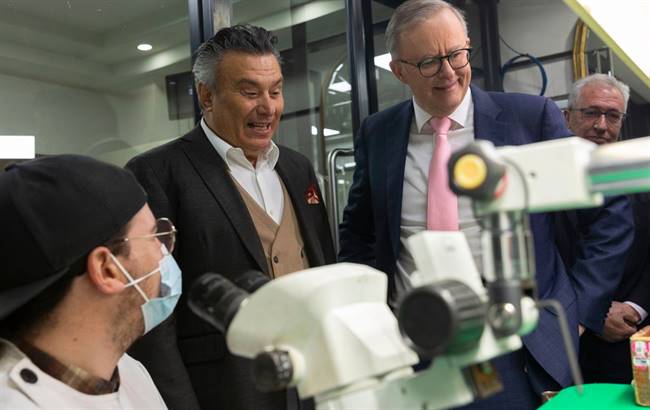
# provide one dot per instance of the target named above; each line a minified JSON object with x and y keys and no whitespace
{"x":371,"y":221}
{"x":602,"y":361}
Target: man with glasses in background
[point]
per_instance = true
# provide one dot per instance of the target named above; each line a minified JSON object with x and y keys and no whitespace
{"x":86,"y":270}
{"x":597,"y":106}
{"x":596,"y":109}
{"x":400,"y":188}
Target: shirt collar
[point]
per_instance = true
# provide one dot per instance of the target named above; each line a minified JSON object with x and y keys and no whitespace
{"x":233,"y":155}
{"x":71,"y":375}
{"x":460,"y":116}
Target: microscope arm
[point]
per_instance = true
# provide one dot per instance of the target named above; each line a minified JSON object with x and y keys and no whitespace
{"x":547,"y":176}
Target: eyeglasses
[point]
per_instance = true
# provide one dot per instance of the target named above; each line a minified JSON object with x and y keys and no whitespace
{"x":431,"y":66}
{"x":165,"y":233}
{"x":593,"y":114}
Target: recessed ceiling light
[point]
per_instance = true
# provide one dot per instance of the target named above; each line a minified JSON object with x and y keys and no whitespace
{"x":144,"y":47}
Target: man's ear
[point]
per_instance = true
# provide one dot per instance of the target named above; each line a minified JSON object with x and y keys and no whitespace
{"x":205,"y":97}
{"x":103,"y":271}
{"x":397,"y":68}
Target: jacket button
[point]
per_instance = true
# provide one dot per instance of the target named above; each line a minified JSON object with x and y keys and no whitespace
{"x":276,"y":259}
{"x":28,"y":376}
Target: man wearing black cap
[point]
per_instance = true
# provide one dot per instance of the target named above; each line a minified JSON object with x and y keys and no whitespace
{"x":85,"y":272}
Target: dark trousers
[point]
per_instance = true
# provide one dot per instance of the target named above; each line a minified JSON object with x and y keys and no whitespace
{"x":604,"y":362}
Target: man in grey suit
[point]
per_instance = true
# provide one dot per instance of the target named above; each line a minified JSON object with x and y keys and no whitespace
{"x":240,"y":203}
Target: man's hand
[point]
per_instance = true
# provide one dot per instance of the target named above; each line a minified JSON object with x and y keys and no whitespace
{"x":581,"y":330}
{"x":620,"y":323}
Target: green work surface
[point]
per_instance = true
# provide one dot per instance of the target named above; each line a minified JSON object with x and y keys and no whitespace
{"x":596,"y":397}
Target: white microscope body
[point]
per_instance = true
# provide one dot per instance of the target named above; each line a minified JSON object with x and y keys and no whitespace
{"x":333,"y":322}
{"x":343,"y":344}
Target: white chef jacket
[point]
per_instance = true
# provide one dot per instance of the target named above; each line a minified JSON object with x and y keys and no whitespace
{"x":24,"y":386}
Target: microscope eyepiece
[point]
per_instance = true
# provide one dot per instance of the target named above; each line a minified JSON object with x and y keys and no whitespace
{"x":216,"y":299}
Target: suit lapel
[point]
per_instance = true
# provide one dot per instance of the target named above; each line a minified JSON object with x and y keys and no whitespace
{"x":396,"y":138}
{"x":214,"y":173}
{"x":488,"y":124}
{"x":297,"y":194}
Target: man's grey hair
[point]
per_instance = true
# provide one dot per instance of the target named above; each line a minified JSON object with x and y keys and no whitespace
{"x":412,"y":12}
{"x":242,"y":38}
{"x":598,"y":79}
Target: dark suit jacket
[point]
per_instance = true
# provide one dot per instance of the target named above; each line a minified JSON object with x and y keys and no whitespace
{"x":188,"y":181}
{"x":601,"y":361}
{"x":371,"y":221}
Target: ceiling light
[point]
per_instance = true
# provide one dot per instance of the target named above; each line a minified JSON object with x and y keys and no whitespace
{"x":326,"y":131}
{"x":329,"y":132}
{"x":17,"y":146}
{"x":341,"y":86}
{"x":383,"y":61}
{"x":144,"y":47}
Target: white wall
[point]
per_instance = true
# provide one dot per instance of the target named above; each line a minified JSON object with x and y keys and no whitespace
{"x":544,"y":27}
{"x":65,"y":119}
{"x":538,"y":28}
{"x":535,"y":27}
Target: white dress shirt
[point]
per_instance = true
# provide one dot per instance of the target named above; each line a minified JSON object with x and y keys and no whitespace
{"x":416,"y":173}
{"x":261,"y":181}
{"x":641,"y":311}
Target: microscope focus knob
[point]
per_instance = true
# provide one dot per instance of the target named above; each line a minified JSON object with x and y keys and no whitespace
{"x":445,"y":316}
{"x":272,"y":370}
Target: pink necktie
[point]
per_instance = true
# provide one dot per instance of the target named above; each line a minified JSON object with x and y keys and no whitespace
{"x":442,"y":204}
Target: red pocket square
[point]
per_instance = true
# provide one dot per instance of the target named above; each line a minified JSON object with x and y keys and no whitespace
{"x":311,"y":195}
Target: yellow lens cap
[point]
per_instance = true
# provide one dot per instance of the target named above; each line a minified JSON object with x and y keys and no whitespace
{"x":469,"y":171}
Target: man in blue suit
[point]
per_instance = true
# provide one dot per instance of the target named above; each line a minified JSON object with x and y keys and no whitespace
{"x":596,"y":109}
{"x":389,"y":199}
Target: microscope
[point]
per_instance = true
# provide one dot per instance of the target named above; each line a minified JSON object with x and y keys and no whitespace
{"x":329,"y":333}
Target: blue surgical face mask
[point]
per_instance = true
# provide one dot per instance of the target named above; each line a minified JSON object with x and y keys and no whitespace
{"x":158,"y":309}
